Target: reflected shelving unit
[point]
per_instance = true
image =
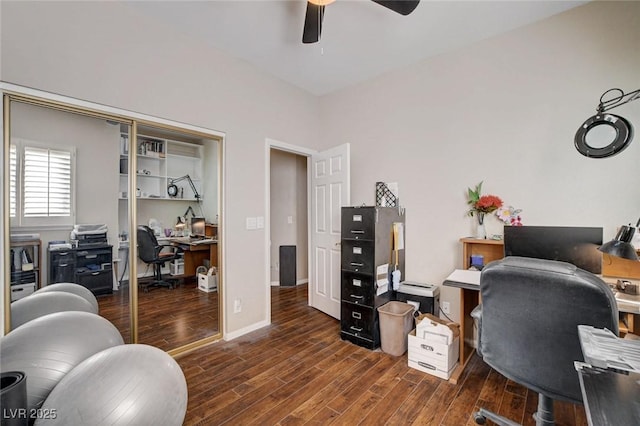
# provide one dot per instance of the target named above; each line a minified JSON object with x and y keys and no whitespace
{"x":159,"y":161}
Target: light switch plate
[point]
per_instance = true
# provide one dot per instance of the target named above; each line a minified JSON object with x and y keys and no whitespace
{"x":251,"y":223}
{"x":260,"y":222}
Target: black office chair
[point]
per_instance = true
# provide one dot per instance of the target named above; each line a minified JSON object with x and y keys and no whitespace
{"x":528,"y":326}
{"x":150,"y":252}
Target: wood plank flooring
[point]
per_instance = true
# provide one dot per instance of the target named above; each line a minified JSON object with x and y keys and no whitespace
{"x":167,"y":318}
{"x":298,"y":371}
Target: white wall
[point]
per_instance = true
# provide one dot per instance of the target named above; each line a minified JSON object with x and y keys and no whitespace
{"x":503,"y":111}
{"x":106,"y":52}
{"x":96,"y":176}
{"x":288,"y":199}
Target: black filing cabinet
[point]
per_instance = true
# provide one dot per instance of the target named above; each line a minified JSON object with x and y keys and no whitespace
{"x":367,"y":251}
{"x":90,"y":267}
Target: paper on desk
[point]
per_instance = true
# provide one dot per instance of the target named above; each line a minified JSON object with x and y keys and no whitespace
{"x":464,"y":276}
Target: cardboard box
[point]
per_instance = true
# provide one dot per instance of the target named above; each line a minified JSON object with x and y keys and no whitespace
{"x":432,"y":356}
{"x":207,"y":283}
{"x":22,"y":290}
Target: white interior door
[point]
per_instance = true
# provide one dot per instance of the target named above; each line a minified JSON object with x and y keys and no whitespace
{"x":330,"y":190}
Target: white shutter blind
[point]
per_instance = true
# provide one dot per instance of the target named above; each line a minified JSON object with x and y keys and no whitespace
{"x":47,"y":182}
{"x":13,"y":172}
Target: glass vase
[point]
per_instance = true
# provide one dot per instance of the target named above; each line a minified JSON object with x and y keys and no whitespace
{"x":481,"y":232}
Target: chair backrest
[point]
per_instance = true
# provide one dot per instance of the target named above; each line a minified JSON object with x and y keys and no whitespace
{"x":531,"y":309}
{"x":147,"y":244}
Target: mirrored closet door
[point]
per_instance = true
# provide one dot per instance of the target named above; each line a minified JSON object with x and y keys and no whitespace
{"x":127,"y":208}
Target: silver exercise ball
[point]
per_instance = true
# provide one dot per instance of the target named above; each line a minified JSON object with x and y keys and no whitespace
{"x":125,"y":385}
{"x":47,"y":348}
{"x":73,"y":288}
{"x":37,"y":305}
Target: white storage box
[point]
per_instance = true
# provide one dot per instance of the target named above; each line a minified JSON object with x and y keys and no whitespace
{"x":22,"y":290}
{"x":176,"y":267}
{"x":207,"y":283}
{"x":433,"y":357}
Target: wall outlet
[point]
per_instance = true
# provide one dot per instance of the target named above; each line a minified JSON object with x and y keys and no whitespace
{"x":237,"y":306}
{"x":446,"y":308}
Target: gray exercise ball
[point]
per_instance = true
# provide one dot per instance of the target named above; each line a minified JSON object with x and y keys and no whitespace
{"x":48,"y":347}
{"x":37,"y":305}
{"x":73,"y":288}
{"x":125,"y":385}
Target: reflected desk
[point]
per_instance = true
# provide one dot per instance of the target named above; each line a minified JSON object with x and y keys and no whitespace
{"x":196,"y":252}
{"x":469,"y":284}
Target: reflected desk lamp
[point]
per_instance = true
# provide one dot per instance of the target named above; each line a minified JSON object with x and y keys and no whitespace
{"x":172,"y":191}
{"x":621,"y":245}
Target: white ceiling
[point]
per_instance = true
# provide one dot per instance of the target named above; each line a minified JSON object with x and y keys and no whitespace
{"x":360,"y":39}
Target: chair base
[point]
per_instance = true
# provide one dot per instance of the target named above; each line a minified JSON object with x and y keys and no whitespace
{"x":157,"y":281}
{"x":543,"y":417}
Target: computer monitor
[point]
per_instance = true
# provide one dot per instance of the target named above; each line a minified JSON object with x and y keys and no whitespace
{"x":572,"y":244}
{"x":197,"y":227}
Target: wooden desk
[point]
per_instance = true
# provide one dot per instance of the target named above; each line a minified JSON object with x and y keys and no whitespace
{"x":614,"y":268}
{"x":469,"y":284}
{"x":195,"y":253}
{"x":469,"y":292}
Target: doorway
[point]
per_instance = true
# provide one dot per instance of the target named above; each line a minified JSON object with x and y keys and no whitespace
{"x":288,"y":166}
{"x":288,"y":214}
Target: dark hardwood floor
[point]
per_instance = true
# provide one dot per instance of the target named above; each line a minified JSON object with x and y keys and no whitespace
{"x":167,"y":318}
{"x":299,"y":371}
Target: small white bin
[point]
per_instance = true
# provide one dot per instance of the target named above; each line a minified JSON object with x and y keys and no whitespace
{"x":207,"y":283}
{"x":176,"y":267}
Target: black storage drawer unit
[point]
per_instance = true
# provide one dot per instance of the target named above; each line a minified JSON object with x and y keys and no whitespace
{"x":358,"y":223}
{"x":90,"y":267}
{"x":366,"y":246}
{"x":62,"y":266}
{"x":358,"y":256}
{"x":357,"y":288}
{"x":99,"y":282}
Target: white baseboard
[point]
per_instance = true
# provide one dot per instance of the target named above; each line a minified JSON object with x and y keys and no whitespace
{"x":253,"y":327}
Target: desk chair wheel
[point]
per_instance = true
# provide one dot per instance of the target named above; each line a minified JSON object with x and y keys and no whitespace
{"x":479,"y":418}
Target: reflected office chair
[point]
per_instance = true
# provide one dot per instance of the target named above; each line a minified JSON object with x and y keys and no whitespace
{"x":151,"y":253}
{"x":528,"y":326}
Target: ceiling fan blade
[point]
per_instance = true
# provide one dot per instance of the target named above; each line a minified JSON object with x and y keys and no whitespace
{"x":403,"y":7}
{"x":312,"y":23}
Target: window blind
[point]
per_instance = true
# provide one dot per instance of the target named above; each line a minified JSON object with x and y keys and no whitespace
{"x":47,"y":182}
{"x":13,"y":171}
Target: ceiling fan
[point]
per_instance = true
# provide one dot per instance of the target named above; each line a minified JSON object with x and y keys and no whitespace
{"x":315,"y":14}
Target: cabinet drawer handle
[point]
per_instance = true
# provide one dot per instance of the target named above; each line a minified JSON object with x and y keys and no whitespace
{"x":356,"y":315}
{"x":91,"y":256}
{"x":95,"y":273}
{"x":357,"y":329}
{"x":426,"y":347}
{"x":63,"y":265}
{"x":355,"y":296}
{"x":357,"y":231}
{"x":357,"y":264}
{"x":425,"y":365}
